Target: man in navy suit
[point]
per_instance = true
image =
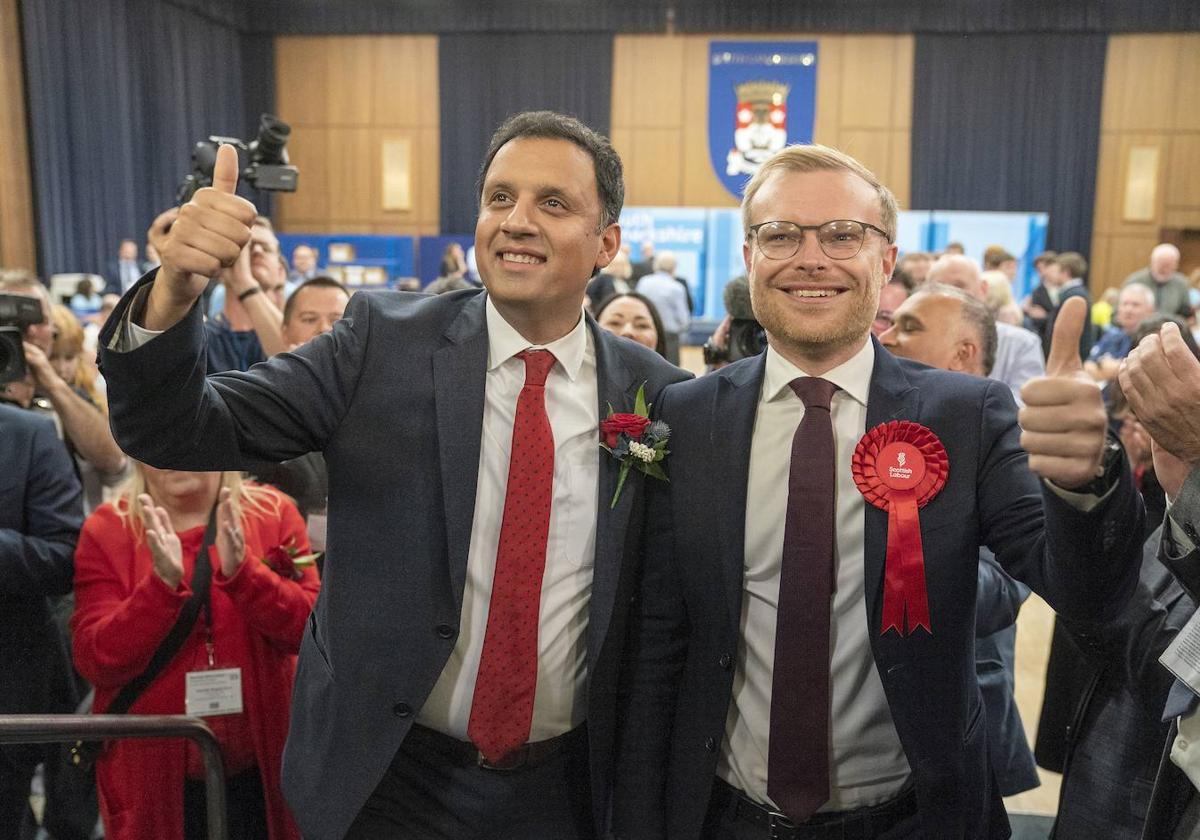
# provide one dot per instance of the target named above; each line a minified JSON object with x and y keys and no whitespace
{"x":765,"y":696}
{"x":405,"y":719}
{"x":41,"y":509}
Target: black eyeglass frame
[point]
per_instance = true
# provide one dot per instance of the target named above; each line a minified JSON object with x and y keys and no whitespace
{"x":752,"y":231}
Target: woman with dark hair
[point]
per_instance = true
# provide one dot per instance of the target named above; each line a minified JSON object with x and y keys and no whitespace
{"x":633,"y":316}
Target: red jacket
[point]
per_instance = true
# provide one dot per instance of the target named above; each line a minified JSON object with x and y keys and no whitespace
{"x":123,"y":610}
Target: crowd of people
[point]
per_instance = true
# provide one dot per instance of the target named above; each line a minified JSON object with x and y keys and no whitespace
{"x":412,"y":559}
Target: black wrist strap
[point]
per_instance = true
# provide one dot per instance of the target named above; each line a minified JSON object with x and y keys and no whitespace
{"x":201,"y":587}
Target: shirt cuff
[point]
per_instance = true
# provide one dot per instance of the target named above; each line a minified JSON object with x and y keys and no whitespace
{"x":1179,"y":536}
{"x":1082,"y":502}
{"x":130,"y":336}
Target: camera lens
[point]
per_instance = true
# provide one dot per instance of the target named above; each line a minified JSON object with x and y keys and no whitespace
{"x":273,"y":135}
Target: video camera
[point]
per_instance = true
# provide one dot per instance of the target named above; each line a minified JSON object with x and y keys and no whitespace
{"x":16,"y":313}
{"x":263,"y":163}
{"x":746,"y":336}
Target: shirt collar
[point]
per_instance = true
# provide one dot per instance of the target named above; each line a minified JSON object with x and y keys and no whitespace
{"x":853,"y":376}
{"x":504,"y":342}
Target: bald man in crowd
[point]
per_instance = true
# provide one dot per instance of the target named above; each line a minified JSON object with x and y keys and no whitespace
{"x":1135,"y":304}
{"x":1163,"y":277}
{"x":1018,"y":351}
{"x":945,"y":327}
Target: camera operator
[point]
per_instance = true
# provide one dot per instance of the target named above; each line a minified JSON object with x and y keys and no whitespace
{"x":739,"y":335}
{"x":83,"y":427}
{"x":40,"y":516}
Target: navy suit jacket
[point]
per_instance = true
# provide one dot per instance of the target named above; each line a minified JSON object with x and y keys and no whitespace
{"x":687,"y":634}
{"x":41,"y":509}
{"x":394,"y":398}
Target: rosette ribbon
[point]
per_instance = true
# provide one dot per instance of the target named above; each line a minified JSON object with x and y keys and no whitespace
{"x":899,"y":467}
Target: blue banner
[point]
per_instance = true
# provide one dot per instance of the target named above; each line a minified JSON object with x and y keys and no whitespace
{"x":679,"y":230}
{"x":761,"y":97}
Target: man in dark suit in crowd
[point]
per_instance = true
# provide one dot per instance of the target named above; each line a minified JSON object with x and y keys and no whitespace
{"x":125,"y":270}
{"x":1161,"y":379}
{"x":458,"y":678}
{"x":41,"y":510}
{"x":950,"y":327}
{"x":766,"y":695}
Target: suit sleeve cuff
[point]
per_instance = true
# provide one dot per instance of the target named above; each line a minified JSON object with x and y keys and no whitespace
{"x":1082,"y":502}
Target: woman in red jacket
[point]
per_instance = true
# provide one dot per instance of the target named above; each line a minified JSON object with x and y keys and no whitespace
{"x":133,"y":570}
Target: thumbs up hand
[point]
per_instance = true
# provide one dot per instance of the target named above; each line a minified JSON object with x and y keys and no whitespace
{"x":208,"y":235}
{"x":1064,"y":423}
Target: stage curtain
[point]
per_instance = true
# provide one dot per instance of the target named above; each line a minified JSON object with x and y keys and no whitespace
{"x":372,"y":17}
{"x":1010,"y":122}
{"x":775,"y":18}
{"x":484,"y":78}
{"x":118,"y":93}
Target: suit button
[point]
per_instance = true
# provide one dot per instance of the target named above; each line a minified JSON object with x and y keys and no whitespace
{"x":725,"y":661}
{"x":402,"y":710}
{"x":445,"y":631}
{"x":710,"y":744}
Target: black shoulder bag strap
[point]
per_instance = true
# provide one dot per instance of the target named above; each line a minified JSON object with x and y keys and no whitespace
{"x":85,"y":752}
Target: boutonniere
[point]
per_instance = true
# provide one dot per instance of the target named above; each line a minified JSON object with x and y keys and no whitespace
{"x":287,"y":561}
{"x":636,"y":441}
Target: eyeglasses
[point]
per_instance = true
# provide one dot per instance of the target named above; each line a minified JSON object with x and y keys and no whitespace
{"x":840,"y":239}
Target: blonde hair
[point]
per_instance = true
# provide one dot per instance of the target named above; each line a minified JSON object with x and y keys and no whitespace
{"x":818,"y":158}
{"x":68,"y":341}
{"x":245,"y":496}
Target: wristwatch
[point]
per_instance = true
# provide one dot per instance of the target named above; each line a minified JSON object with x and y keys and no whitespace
{"x":1110,"y":469}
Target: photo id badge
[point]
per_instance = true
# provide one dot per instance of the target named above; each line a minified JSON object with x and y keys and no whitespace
{"x":216,"y":692}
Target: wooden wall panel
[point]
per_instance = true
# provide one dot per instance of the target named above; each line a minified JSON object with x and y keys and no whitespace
{"x":863,"y":105}
{"x":17,"y":248}
{"x":1151,"y":99}
{"x":344,"y":96}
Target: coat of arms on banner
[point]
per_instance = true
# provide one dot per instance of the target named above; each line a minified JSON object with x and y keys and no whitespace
{"x":761,"y":98}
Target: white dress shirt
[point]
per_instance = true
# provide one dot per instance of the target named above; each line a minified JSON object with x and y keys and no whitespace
{"x":867,"y":762}
{"x":572,"y":404}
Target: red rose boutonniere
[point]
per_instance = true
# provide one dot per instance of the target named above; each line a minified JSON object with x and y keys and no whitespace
{"x":636,"y":441}
{"x":287,"y":561}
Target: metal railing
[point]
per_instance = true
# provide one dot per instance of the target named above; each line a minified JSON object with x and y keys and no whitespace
{"x":56,"y":729}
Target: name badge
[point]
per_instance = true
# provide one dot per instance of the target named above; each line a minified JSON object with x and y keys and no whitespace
{"x":1182,"y":656}
{"x":211,"y":693}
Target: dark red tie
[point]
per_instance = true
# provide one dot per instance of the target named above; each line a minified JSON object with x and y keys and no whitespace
{"x":502,"y":706}
{"x":798,"y":754}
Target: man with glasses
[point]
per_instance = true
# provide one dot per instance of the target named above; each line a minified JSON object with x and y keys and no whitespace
{"x":245,"y":323}
{"x":767,"y":697}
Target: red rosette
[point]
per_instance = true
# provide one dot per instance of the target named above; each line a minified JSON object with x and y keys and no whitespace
{"x":898,"y":467}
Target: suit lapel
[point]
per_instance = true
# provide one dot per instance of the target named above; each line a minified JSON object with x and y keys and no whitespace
{"x":731,"y":427}
{"x":459,"y":375}
{"x":616,"y":386}
{"x":891,"y":397}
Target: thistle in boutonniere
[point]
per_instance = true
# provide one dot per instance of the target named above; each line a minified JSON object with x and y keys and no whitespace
{"x":636,"y":441}
{"x":287,"y":561}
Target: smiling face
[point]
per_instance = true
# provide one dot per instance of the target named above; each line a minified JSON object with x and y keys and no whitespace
{"x":173,"y":488}
{"x":817,"y":311}
{"x":314,"y":310}
{"x":538,"y":238}
{"x":629,"y":317}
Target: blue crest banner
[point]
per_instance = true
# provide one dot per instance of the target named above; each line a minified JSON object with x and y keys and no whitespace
{"x":761,"y":97}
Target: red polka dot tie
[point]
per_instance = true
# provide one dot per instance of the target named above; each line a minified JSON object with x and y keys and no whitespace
{"x":502,"y":706}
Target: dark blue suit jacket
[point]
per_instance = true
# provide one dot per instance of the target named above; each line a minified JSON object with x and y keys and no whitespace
{"x":394,"y":398}
{"x":41,"y":509}
{"x":687,"y":634}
